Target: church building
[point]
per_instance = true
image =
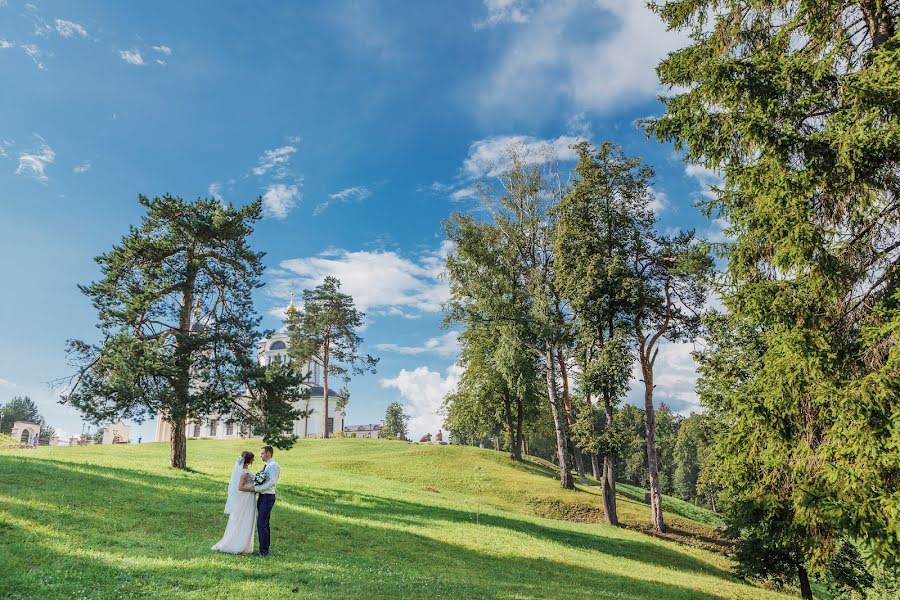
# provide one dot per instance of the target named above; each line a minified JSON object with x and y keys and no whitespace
{"x":272,"y":350}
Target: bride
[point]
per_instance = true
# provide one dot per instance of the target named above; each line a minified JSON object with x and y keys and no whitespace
{"x":240,"y":508}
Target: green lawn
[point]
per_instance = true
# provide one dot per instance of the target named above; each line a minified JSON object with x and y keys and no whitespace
{"x":353,"y":519}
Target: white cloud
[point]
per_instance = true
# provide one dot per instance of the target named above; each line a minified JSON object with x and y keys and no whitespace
{"x":464,"y":193}
{"x":377,"y":280}
{"x":445,"y":345}
{"x":7,"y":383}
{"x":279,"y":199}
{"x":163,"y":50}
{"x":490,"y":157}
{"x":277,"y":159}
{"x":706,"y":178}
{"x":504,"y":11}
{"x":356,"y":193}
{"x":35,"y":54}
{"x":4,"y":146}
{"x":160,"y":62}
{"x":82,"y":167}
{"x":580,"y":125}
{"x":215,"y":190}
{"x":423,"y":392}
{"x":675,"y":377}
{"x":591,"y":55}
{"x":660,"y":201}
{"x":4,"y":44}
{"x":132,"y":57}
{"x":34,"y":164}
{"x":70,"y":29}
{"x":435,"y":187}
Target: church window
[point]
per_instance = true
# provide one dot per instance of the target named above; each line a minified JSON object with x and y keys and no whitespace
{"x":196,"y":429}
{"x":212,"y":427}
{"x":279,"y":345}
{"x":229,"y":428}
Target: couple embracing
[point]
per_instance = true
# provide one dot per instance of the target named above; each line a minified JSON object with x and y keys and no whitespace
{"x":243,"y":507}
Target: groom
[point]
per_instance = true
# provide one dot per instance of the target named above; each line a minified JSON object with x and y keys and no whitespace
{"x":266,"y":499}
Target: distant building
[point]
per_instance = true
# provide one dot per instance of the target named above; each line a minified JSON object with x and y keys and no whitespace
{"x":271,"y":350}
{"x":116,"y":433}
{"x":363,"y":431}
{"x":24,"y":431}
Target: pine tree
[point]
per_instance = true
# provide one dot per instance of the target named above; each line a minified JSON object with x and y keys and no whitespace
{"x":395,"y":423}
{"x":175,"y":312}
{"x":326,"y":327}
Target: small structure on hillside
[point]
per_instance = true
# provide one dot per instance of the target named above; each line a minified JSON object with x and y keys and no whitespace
{"x":116,"y":433}
{"x":25,"y":431}
{"x":439,"y":437}
{"x":363,"y":431}
{"x":425,"y":439}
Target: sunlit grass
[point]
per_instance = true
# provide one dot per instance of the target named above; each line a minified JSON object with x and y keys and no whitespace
{"x":354,"y":518}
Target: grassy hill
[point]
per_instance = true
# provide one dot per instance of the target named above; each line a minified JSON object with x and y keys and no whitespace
{"x":5,"y":440}
{"x":354,"y":518}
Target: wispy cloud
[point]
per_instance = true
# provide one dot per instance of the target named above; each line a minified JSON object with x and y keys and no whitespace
{"x":70,"y":29}
{"x":356,"y":193}
{"x":490,"y":157}
{"x":163,"y":50}
{"x":132,"y":57}
{"x":82,"y":167}
{"x":279,"y":199}
{"x":275,"y":160}
{"x":504,"y":11}
{"x":445,"y":345}
{"x":34,"y":164}
{"x":557,"y":56}
{"x":707,"y":178}
{"x":215,"y":190}
{"x":35,"y":54}
{"x":378,"y":280}
{"x":4,"y":44}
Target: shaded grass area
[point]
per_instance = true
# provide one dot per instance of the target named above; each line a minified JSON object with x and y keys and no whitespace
{"x":353,"y":518}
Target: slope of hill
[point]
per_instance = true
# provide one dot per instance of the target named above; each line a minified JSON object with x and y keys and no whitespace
{"x":354,"y":518}
{"x":5,"y":440}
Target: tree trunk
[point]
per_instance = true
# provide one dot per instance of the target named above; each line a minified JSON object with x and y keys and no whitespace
{"x":879,"y":21}
{"x":525,"y":445}
{"x":510,"y":426}
{"x":595,"y":467}
{"x":656,"y":515}
{"x":805,"y":590}
{"x":178,"y":447}
{"x":570,"y":416}
{"x":517,"y":441}
{"x":325,"y":380}
{"x":559,"y":422}
{"x":182,"y":360}
{"x":609,"y":472}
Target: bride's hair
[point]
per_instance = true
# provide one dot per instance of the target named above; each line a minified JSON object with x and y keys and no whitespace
{"x":247,"y":456}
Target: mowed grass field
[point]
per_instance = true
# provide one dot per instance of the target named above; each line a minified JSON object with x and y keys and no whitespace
{"x":354,"y":518}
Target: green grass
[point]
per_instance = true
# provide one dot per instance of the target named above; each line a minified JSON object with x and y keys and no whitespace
{"x":354,"y":519}
{"x":674,"y":505}
{"x":5,"y":440}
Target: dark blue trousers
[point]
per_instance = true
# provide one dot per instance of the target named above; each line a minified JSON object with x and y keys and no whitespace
{"x":264,"y":505}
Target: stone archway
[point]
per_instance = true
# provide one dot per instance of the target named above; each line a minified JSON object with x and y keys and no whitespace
{"x":26,"y":436}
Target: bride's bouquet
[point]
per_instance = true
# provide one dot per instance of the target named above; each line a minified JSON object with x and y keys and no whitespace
{"x":260,"y":478}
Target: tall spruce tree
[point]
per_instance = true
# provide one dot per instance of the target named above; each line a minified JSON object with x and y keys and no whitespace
{"x":325,"y":327}
{"x":798,"y":105}
{"x":176,"y":316}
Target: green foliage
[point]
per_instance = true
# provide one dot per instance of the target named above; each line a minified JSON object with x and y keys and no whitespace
{"x":98,"y":435}
{"x":395,"y":423}
{"x":275,"y":392}
{"x":798,"y":106}
{"x":20,"y":408}
{"x":175,"y":311}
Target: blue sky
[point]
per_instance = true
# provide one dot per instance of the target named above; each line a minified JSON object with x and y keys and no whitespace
{"x":361,"y":124}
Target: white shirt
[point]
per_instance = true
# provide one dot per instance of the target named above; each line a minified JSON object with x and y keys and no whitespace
{"x":268,"y":486}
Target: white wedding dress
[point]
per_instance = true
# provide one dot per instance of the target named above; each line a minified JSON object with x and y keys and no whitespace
{"x":241,"y":511}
